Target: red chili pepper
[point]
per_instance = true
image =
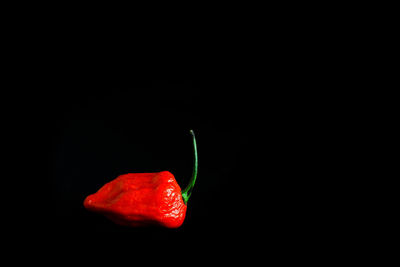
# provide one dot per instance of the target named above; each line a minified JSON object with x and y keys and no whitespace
{"x":140,"y":199}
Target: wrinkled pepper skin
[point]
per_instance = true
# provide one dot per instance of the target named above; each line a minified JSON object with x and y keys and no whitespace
{"x":140,"y":199}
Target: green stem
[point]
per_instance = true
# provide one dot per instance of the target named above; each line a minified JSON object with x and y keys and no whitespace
{"x":188,"y":190}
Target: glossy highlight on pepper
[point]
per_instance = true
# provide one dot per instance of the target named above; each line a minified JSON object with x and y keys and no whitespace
{"x":143,"y":199}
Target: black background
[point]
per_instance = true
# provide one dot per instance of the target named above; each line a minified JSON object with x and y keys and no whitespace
{"x":85,"y":130}
{"x":83,"y":119}
{"x":265,"y":181}
{"x":273,"y":110}
{"x":261,"y":143}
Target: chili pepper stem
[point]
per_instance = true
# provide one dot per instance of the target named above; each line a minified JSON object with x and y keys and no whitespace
{"x":188,"y":190}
